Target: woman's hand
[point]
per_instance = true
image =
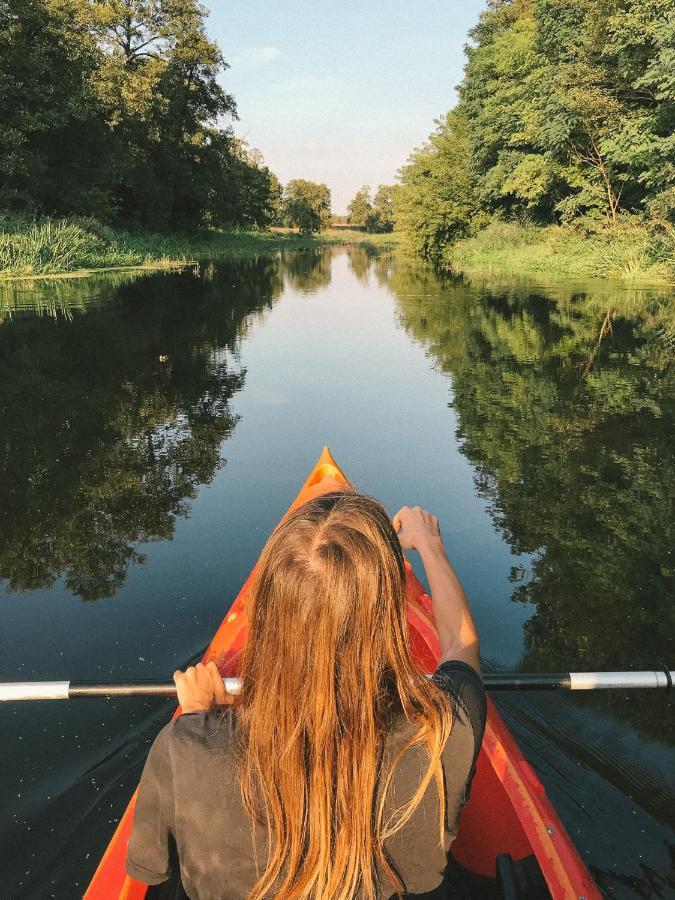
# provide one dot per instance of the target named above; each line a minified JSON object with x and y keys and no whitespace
{"x":417,"y":529}
{"x":201,"y":688}
{"x":457,"y":636}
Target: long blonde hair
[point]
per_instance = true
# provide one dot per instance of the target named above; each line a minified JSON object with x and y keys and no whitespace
{"x":326,"y":664}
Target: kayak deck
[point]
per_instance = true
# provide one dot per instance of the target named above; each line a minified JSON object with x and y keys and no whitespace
{"x":508,"y":812}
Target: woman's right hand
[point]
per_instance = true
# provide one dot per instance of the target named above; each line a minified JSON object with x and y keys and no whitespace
{"x":417,"y":529}
{"x":457,"y":636}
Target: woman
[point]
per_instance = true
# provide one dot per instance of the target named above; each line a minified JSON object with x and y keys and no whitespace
{"x":342,"y":770}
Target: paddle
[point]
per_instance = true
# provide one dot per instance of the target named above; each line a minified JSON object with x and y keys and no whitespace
{"x":571,"y":681}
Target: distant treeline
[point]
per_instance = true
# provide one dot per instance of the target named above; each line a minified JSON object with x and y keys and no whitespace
{"x":112,"y":109}
{"x":566,"y":114}
{"x":375,"y":216}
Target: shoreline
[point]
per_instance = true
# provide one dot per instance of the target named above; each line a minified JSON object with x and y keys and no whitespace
{"x":149,"y":266}
{"x":501,"y":250}
{"x":626,"y":255}
{"x":145,"y":251}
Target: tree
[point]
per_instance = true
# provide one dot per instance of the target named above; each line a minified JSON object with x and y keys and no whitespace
{"x":436,"y":202}
{"x":566,"y":110}
{"x":307,"y":205}
{"x":381,"y":217}
{"x":360,"y":208}
{"x":238,"y":188}
{"x":157,"y":82}
{"x":113,"y":108}
{"x":51,"y":139}
{"x":275,"y":201}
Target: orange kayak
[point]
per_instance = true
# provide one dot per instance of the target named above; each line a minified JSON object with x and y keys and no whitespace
{"x":508,"y":816}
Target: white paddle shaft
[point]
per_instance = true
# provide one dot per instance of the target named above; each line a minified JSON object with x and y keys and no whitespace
{"x":589,"y":681}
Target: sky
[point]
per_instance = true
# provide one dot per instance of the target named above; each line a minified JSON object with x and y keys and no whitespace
{"x":340,"y":91}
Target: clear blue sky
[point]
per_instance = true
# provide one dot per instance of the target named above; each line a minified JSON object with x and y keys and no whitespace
{"x":341,"y":92}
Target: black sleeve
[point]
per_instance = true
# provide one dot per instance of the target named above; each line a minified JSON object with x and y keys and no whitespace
{"x":149,"y":853}
{"x":465,"y":688}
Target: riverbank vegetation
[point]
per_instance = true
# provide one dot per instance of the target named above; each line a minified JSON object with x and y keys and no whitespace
{"x":564,"y":130}
{"x":57,"y":246}
{"x":115,"y":110}
{"x":627,"y":249}
{"x":117,"y":147}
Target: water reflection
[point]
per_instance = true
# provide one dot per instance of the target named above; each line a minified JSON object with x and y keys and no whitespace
{"x":566,"y":407}
{"x":116,"y":403}
{"x":307,"y":271}
{"x":62,"y":298}
{"x":361,"y":260}
{"x":110,"y":424}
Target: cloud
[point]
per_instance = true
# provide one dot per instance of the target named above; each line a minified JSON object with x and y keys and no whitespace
{"x":254,"y":57}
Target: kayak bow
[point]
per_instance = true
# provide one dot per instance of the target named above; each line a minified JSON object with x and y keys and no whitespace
{"x":508,"y":813}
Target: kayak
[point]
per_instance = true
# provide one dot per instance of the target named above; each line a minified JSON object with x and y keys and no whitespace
{"x":508,"y":829}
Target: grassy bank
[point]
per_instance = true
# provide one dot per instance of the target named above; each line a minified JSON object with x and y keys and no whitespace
{"x":628,"y":250}
{"x":55,"y":247}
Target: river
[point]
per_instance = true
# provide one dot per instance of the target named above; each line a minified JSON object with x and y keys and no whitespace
{"x":154,"y":427}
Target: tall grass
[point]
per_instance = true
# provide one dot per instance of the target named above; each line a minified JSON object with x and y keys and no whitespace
{"x":629,"y":249}
{"x":51,"y":246}
{"x":54,"y":246}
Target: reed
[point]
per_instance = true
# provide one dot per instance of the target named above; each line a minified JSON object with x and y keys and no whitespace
{"x":628,"y":250}
{"x":59,"y":246}
{"x":56,"y":245}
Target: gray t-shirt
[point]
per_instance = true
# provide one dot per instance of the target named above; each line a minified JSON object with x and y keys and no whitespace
{"x":190,"y":823}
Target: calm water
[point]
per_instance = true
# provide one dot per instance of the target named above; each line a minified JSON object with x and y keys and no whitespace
{"x":135,"y":494}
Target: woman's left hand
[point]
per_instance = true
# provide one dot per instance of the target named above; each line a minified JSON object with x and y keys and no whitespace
{"x":201,"y":688}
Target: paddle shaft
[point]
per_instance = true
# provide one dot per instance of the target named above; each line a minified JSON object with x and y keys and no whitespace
{"x":571,"y":681}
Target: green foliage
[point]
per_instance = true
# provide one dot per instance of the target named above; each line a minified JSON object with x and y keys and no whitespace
{"x":55,"y":246}
{"x":113,"y":108}
{"x":275,"y":201}
{"x":380,"y":219}
{"x":307,"y":205}
{"x":377,"y":217}
{"x":564,"y":397}
{"x":360,"y":208}
{"x":436,"y":202}
{"x":566,"y":111}
{"x":244,"y":192}
{"x":51,"y":128}
{"x":52,"y":247}
{"x":627,"y":249}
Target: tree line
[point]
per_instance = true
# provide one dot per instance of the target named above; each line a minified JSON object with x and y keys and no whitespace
{"x":112,"y":109}
{"x":566,"y":114}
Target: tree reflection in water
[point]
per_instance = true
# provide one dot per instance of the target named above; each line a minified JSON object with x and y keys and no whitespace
{"x":111,"y":421}
{"x":566,"y":407}
{"x":307,"y":270}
